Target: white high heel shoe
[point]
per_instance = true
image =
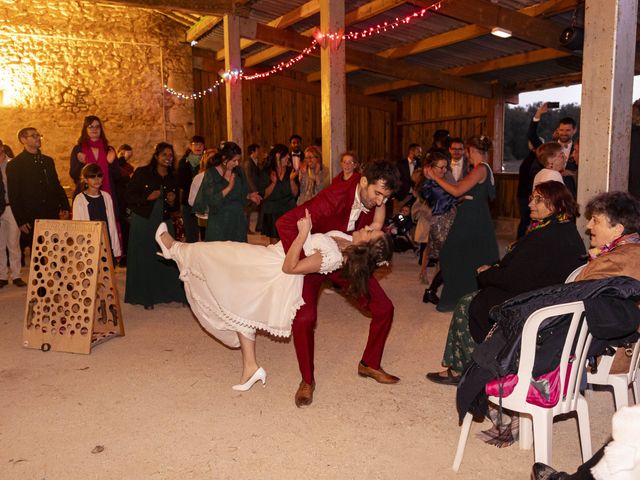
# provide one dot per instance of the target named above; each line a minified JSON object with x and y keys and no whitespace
{"x":259,"y":375}
{"x":162,"y":228}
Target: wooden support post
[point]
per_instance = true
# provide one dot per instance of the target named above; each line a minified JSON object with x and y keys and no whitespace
{"x":333,"y":87}
{"x":495,"y":127}
{"x":233,"y":88}
{"x":607,"y":84}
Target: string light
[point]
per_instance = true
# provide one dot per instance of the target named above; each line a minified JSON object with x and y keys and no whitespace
{"x":234,"y":75}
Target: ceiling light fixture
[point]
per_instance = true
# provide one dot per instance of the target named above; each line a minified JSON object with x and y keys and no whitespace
{"x":500,"y":32}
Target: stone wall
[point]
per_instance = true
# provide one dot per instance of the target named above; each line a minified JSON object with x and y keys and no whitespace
{"x":62,"y":60}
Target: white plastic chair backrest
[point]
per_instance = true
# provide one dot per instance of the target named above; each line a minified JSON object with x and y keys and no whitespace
{"x":572,"y":276}
{"x":577,"y":333}
{"x":632,"y":375}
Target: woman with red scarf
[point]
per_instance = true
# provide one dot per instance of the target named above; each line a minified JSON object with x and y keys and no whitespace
{"x":93,"y":147}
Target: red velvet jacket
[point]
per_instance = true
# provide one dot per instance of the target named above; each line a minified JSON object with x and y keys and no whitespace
{"x":329,"y":209}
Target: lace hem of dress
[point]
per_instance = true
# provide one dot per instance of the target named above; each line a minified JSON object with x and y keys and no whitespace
{"x":236,"y":321}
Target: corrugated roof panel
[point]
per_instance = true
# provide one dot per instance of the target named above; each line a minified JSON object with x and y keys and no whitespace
{"x":468,"y":52}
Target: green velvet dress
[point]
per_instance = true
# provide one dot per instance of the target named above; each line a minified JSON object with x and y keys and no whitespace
{"x":227,"y":220}
{"x":150,"y":278}
{"x":471,"y":243}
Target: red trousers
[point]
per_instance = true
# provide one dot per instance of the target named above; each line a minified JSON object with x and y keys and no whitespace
{"x":304,"y":324}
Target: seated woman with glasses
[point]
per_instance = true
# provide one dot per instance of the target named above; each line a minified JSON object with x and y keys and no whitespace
{"x":93,"y":204}
{"x":614,"y":227}
{"x":550,"y":250}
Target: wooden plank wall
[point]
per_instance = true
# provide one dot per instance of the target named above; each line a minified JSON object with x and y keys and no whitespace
{"x":276,"y":107}
{"x":506,"y":202}
{"x":464,"y":116}
{"x":424,"y":113}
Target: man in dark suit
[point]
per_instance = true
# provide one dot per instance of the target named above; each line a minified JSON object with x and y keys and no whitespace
{"x":406,"y":167}
{"x":34,"y":189}
{"x":564,"y":135}
{"x":345,"y":206}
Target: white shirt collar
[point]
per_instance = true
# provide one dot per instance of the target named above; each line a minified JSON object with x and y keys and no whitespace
{"x":357,"y":203}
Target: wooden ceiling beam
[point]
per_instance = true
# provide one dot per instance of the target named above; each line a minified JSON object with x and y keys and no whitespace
{"x":290,"y":18}
{"x":487,"y":14}
{"x":549,"y":82}
{"x":458,"y":35}
{"x":205,"y":61}
{"x":202,"y":7}
{"x":360,"y":14}
{"x":510,"y":61}
{"x":201,"y":27}
{"x":394,"y":68}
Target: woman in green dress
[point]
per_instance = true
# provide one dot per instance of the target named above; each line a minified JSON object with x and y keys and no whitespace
{"x":472,"y":239}
{"x":223,"y":195}
{"x":279,"y":188}
{"x":152,"y":196}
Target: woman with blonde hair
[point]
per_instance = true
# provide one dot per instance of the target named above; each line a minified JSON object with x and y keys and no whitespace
{"x":311,"y":174}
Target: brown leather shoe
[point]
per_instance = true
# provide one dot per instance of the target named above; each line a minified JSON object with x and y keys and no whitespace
{"x":379,"y":376}
{"x":304,"y":395}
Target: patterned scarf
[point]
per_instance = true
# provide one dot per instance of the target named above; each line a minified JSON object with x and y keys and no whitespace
{"x":539,"y":224}
{"x":624,"y":239}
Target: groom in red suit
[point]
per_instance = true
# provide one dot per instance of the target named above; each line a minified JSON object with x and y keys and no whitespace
{"x":345,"y":206}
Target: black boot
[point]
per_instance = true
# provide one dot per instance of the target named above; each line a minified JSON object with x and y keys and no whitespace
{"x":430,"y":296}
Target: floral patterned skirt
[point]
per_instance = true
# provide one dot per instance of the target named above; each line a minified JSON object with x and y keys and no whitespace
{"x":439,"y":230}
{"x":460,"y":344}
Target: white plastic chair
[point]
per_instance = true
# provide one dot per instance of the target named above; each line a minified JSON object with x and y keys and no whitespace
{"x":621,"y":382}
{"x":572,"y":401}
{"x":572,"y":276}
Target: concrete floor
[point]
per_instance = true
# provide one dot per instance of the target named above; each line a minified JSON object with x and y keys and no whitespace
{"x":157,"y":403}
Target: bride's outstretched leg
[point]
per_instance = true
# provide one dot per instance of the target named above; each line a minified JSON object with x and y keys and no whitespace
{"x":251,"y":372}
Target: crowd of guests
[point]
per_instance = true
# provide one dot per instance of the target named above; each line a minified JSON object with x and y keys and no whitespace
{"x":461,"y":241}
{"x":209,"y":194}
{"x":441,"y":212}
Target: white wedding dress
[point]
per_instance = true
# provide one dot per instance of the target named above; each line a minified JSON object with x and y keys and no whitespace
{"x":239,"y":287}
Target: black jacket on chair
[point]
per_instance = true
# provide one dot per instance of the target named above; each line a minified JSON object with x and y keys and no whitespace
{"x":611,"y":314}
{"x":541,"y":258}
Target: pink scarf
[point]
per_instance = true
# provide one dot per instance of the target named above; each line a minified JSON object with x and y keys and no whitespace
{"x":101,"y":161}
{"x":623,"y":240}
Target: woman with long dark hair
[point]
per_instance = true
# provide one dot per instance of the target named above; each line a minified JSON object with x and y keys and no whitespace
{"x":152,"y":196}
{"x":93,"y":147}
{"x":279,"y":189}
{"x":235,"y":288}
{"x":223,"y":194}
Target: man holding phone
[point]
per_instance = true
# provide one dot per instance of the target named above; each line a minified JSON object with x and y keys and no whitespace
{"x":565,"y":132}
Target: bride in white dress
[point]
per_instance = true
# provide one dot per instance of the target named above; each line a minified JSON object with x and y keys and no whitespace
{"x":236,"y":288}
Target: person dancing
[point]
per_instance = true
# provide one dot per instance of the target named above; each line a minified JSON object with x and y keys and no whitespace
{"x":271,"y":282}
{"x":344,"y":206}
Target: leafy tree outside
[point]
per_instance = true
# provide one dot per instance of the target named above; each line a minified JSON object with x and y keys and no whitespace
{"x":516,"y":124}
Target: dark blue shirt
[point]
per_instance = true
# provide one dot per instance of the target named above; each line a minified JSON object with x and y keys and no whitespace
{"x":437,"y":198}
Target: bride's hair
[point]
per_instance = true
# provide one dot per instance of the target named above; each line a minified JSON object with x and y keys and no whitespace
{"x":361,"y":261}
